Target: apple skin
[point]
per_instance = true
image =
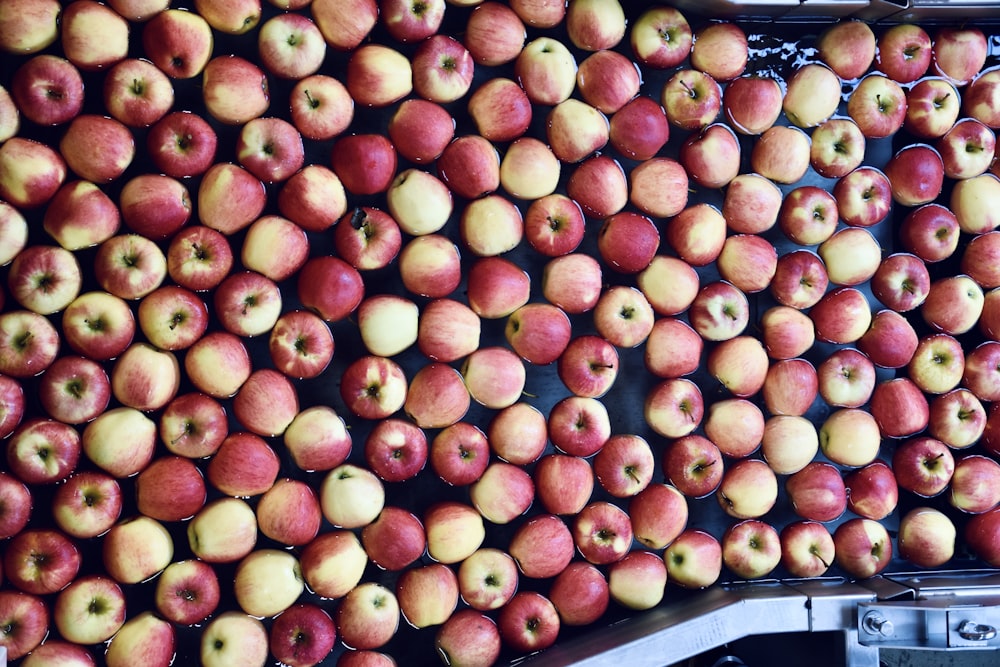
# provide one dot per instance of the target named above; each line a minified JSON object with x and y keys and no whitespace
{"x":136,"y":548}
{"x":245,"y":465}
{"x":494,"y":34}
{"x":850,"y":437}
{"x":848,"y":47}
{"x":170,"y":489}
{"x":468,"y":637}
{"x":872,"y":491}
{"x":187,"y":591}
{"x":923,"y":466}
{"x":807,"y":548}
{"x":32,"y":615}
{"x":542,"y":547}
{"x":580,"y":594}
{"x":529,"y":622}
{"x":378,"y":75}
{"x":817,"y":492}
{"x":751,"y":548}
{"x":694,"y":559}
{"x":980,"y":536}
{"x":748,"y":490}
{"x":563,"y":483}
{"x":659,"y":514}
{"x":723,"y":53}
{"x":41,"y":561}
{"x":303,"y":635}
{"x":35,"y":172}
{"x":178,"y":42}
{"x":863,"y":547}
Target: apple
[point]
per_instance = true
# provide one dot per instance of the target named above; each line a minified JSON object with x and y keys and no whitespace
{"x":674,"y":407}
{"x":340,"y":500}
{"x":423,"y":262}
{"x":43,"y":451}
{"x":193,"y":425}
{"x":395,"y":539}
{"x":546,"y":70}
{"x":872,"y":491}
{"x":344,"y":27}
{"x":427,"y":594}
{"x":953,"y":304}
{"x":660,"y":37}
{"x":494,"y":34}
{"x":41,"y":561}
{"x":179,"y":42}
{"x":145,"y":378}
{"x":31,"y":343}
{"x":673,"y":348}
{"x":848,"y":47}
{"x":837,"y":148}
{"x":15,"y":505}
{"x":751,"y":549}
{"x":623,"y":316}
{"x":788,"y":443}
{"x":781,"y":154}
{"x":500,"y":109}
{"x":958,"y":54}
{"x":135,"y":549}
{"x":692,"y":99}
{"x":740,"y":364}
{"x":245,"y":465}
{"x":967,"y":199}
{"x":74,"y":390}
{"x":45,"y":279}
{"x":916,"y":175}
{"x":877,"y":105}
{"x":891,"y":341}
{"x":291,"y":46}
{"x":170,"y":489}
{"x":624,"y":465}
{"x":747,"y":261}
{"x":442,"y":69}
{"x":59,"y":652}
{"x":901,"y":282}
{"x":926,"y":537}
{"x":502,"y":493}
{"x":30,"y":27}
{"x":79,"y":216}
{"x":786,"y":332}
{"x":467,"y":637}
{"x":155,"y":206}
{"x":720,"y":311}
{"x":332,"y":564}
{"x":144,"y":637}
{"x":270,"y":148}
{"x":421,"y":130}
{"x":373,"y":387}
{"x":378,"y":75}
{"x":47,"y":89}
{"x":368,"y":616}
{"x":862,"y":547}
{"x":267,"y":582}
{"x":930,"y":232}
{"x":247,"y":303}
{"x":659,"y":514}
{"x":229,"y":198}
{"x":807,"y":548}
{"x":700,"y":154}
{"x":233,"y":638}
{"x":488,"y":578}
{"x":898,"y":406}
{"x":447,"y":330}
{"x":971,"y":488}
{"x":923,"y":465}
{"x":752,"y":104}
{"x":573,"y":282}
{"x":602,"y":533}
{"x":300,"y":344}
{"x":903,"y":52}
{"x":749,"y":489}
{"x":542,"y":547}
{"x":187,"y":592}
{"x":817,"y":492}
{"x":724,"y":51}
{"x":223,"y":531}
{"x":320,"y":107}
{"x":234,"y":17}
{"x":529,"y":622}
{"x":638,"y":580}
{"x":932,"y":107}
{"x":318,"y":439}
{"x":120,"y":441}
{"x":302,"y":635}
{"x":751,"y":204}
{"x":396,"y":450}
{"x":563,"y":483}
{"x":978,"y":259}
{"x":693,"y":559}
{"x":800,"y":279}
{"x":607,"y":80}
{"x":136,"y":92}
{"x":639,"y":129}
{"x":850,"y":437}
{"x":494,"y":375}
{"x":28,"y":618}
{"x":330,"y":287}
{"x":313,"y":198}
{"x":86,"y":130}
{"x":841,"y":316}
{"x":218,"y":364}
{"x":957,"y":418}
{"x":980,"y":370}
{"x":735,"y":426}
{"x":518,"y":434}
{"x":90,"y":610}
{"x":967,"y":149}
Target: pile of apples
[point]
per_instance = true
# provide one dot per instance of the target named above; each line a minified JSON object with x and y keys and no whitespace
{"x":411,"y":331}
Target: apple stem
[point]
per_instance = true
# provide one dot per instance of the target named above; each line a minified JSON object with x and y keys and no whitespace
{"x":22,"y":341}
{"x":554,"y":223}
{"x":137,"y":87}
{"x":690,"y":91}
{"x":358,"y":218}
{"x":313,"y":102}
{"x":815,"y":552}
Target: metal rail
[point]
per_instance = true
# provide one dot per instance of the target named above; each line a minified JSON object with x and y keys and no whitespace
{"x":944,"y":611}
